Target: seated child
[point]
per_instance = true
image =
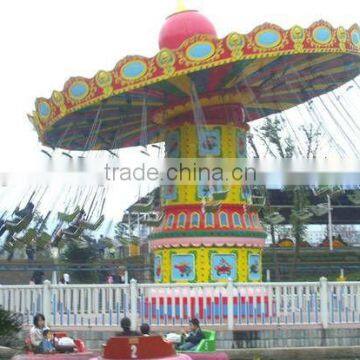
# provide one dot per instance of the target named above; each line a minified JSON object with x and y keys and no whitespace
{"x":46,"y":345}
{"x":126,"y":328}
{"x":145,"y":329}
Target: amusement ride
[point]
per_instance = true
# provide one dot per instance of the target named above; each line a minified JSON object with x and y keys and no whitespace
{"x":198,"y":95}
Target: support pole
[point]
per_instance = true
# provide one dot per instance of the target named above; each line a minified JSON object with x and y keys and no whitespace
{"x":46,"y":301}
{"x":133,"y":304}
{"x":230,"y":295}
{"x":268,"y":277}
{"x":324,"y":313}
{"x":330,"y":233}
{"x":54,"y":280}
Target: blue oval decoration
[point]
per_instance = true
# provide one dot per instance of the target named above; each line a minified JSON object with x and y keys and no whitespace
{"x":355,"y":37}
{"x":44,"y":109}
{"x":134,"y":70}
{"x":322,"y":35}
{"x":268,"y":38}
{"x":200,"y":51}
{"x":79,"y":90}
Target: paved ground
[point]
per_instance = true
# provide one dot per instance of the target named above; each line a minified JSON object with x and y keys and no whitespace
{"x":328,"y":353}
{"x":310,"y":353}
{"x":6,"y":353}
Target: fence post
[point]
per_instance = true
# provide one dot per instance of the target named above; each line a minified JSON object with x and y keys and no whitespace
{"x":268,"y":276}
{"x":230,"y":304}
{"x":133,"y":304}
{"x":324,"y":313}
{"x":46,"y":301}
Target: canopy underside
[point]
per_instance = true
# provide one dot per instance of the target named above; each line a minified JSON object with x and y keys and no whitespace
{"x":263,"y":86}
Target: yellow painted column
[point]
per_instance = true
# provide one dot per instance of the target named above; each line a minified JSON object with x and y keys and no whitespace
{"x":195,"y":244}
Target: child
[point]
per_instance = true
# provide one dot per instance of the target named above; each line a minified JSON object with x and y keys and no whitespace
{"x":126,"y":328}
{"x":36,"y":332}
{"x":145,"y":329}
{"x":47,"y":345}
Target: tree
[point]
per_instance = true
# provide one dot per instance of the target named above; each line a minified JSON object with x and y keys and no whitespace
{"x":300,"y":200}
{"x":271,"y":134}
{"x":312,"y":136}
{"x":10,"y":325}
{"x":75,"y":253}
{"x":121,"y":230}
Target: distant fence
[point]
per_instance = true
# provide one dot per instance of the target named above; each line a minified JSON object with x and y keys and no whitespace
{"x":217,"y":304}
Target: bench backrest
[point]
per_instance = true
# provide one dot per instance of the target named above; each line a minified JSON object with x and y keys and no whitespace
{"x":138,"y":347}
{"x":209,"y":335}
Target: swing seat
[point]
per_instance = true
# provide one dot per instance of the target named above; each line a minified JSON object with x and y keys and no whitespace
{"x":142,"y":206}
{"x":328,"y":190}
{"x":320,"y":209}
{"x":94,"y":226}
{"x":154,"y":221}
{"x":212,"y":206}
{"x":354,"y":197}
{"x":124,"y":241}
{"x":125,"y":219}
{"x":275,"y":218}
{"x":16,"y":227}
{"x":303,"y":214}
{"x":75,"y":234}
{"x":322,"y":191}
{"x":220,"y":195}
{"x":68,"y":217}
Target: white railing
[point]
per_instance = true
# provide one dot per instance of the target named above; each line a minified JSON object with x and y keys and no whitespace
{"x":230,"y":304}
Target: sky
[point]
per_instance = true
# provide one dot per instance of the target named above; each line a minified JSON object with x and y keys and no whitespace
{"x":44,"y":42}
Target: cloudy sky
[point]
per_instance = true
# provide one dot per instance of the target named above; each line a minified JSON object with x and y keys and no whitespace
{"x":44,"y":42}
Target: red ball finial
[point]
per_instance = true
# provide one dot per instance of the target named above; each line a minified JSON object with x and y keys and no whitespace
{"x":183,"y":25}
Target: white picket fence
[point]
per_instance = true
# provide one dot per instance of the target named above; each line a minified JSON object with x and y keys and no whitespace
{"x":217,"y":304}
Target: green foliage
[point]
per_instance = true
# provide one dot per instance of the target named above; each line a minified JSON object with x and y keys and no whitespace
{"x":68,"y":217}
{"x":43,"y":240}
{"x":76,"y":253}
{"x":300,"y":199}
{"x":10,"y":325}
{"x":271,"y":135}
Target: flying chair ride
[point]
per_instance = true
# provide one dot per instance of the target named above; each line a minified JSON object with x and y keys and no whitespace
{"x":198,"y":94}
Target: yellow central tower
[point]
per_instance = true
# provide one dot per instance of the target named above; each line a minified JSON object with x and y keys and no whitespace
{"x":209,"y":233}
